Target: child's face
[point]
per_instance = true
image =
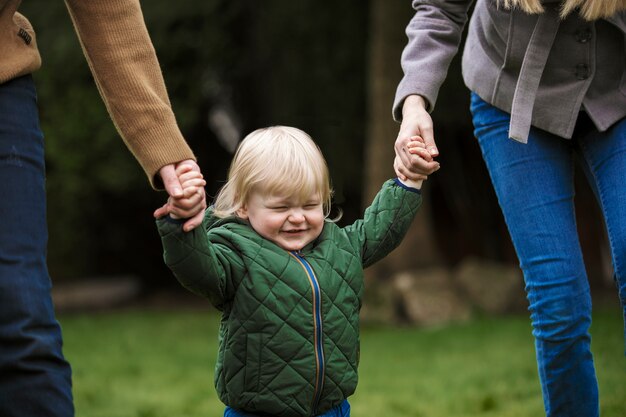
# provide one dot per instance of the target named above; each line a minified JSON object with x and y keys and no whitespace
{"x":286,"y":221}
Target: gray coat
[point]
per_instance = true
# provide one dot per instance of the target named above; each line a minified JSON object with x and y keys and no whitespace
{"x":539,"y":68}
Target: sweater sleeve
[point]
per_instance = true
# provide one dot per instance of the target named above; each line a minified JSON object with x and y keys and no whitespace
{"x":123,"y":62}
{"x":434,"y":35}
{"x":385,"y":221}
{"x":202,"y":266}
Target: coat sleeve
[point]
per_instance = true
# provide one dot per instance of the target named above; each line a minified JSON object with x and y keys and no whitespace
{"x":203,"y":265}
{"x":434,"y":35}
{"x":118,"y":49}
{"x":385,"y":221}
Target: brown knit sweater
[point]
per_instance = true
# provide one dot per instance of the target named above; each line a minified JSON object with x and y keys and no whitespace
{"x":122,"y":59}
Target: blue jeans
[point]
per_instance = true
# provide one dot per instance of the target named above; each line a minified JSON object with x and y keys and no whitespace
{"x":34,"y":377}
{"x":342,"y":410}
{"x":535,"y":189}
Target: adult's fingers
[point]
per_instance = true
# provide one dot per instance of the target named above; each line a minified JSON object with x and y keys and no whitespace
{"x":428,"y":134}
{"x":170,"y":181}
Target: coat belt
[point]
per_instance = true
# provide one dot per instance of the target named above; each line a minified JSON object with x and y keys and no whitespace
{"x":535,"y":59}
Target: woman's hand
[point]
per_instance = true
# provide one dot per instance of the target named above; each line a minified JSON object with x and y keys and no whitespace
{"x":416,"y":122}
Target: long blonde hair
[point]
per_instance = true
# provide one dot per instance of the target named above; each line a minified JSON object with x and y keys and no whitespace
{"x":589,"y":9}
{"x":275,"y":160}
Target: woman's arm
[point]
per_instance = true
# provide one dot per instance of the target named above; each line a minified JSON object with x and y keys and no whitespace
{"x":434,"y":34}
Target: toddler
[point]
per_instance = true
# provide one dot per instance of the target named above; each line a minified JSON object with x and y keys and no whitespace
{"x":287,"y":280}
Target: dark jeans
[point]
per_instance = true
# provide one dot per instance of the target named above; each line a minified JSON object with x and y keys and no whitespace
{"x":35,"y":379}
{"x":535,"y":189}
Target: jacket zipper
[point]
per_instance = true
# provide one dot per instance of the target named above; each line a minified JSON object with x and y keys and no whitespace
{"x":317,"y":323}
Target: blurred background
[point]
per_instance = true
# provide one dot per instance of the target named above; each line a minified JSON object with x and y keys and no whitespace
{"x":329,"y":68}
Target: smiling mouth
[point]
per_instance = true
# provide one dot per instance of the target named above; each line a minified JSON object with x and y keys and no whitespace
{"x":293,"y":232}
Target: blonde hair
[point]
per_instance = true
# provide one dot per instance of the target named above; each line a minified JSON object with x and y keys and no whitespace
{"x":589,"y":9}
{"x":275,"y":160}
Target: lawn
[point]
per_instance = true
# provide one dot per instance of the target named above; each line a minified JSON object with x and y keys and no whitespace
{"x":153,"y":363}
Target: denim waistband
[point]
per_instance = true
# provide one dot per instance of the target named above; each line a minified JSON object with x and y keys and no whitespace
{"x":341,"y":410}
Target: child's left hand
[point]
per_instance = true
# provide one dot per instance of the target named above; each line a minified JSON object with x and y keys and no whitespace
{"x":417,"y":148}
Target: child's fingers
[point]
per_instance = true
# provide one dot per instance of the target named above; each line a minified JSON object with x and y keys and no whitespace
{"x":191,"y":175}
{"x":193,"y":184}
{"x":418,"y":148}
{"x":188,"y":207}
{"x":422,"y":153}
{"x":192,"y":191}
{"x":161,"y":211}
{"x":194,"y":221}
{"x":192,"y":197}
{"x":183,"y":168}
{"x":186,"y":170}
{"x":415,"y":144}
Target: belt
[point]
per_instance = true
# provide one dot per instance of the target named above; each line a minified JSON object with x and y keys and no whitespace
{"x":535,"y":59}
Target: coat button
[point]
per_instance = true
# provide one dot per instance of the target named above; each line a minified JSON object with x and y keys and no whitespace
{"x":582,"y":71}
{"x":583,"y":35}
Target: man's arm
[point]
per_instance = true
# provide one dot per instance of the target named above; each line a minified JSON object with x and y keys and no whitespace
{"x":121,"y":57}
{"x":123,"y":62}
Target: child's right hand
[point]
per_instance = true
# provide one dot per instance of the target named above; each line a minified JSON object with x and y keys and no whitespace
{"x":192,"y":183}
{"x":192,"y":199}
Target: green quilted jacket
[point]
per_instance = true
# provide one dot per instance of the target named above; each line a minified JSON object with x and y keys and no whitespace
{"x":289,"y":334}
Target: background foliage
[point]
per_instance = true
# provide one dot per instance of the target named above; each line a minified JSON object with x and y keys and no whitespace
{"x":271,"y":62}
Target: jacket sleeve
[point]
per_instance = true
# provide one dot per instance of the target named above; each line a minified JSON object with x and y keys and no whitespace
{"x":385,"y":221}
{"x":434,"y":35}
{"x":202,"y":265}
{"x":124,"y":64}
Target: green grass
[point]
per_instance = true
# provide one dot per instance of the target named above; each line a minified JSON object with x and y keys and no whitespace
{"x":160,"y":363}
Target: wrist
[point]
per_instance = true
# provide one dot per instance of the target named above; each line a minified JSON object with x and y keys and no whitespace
{"x":410,"y":184}
{"x":413,"y":104}
{"x":173,"y":220}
